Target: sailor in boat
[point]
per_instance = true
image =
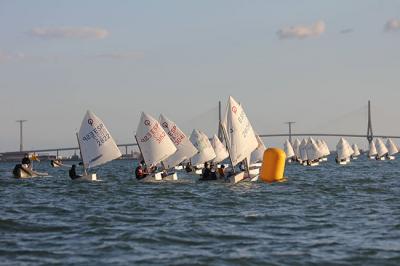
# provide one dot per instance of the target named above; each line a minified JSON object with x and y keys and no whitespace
{"x":207,"y":175}
{"x":72,"y":173}
{"x":140,"y":172}
{"x":221,"y":171}
{"x":26,"y":162}
{"x":213,"y":173}
{"x":56,"y":163}
{"x":188,"y":167}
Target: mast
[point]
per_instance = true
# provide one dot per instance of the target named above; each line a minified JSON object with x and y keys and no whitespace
{"x":80,"y":152}
{"x":227,"y":146}
{"x":140,"y":150}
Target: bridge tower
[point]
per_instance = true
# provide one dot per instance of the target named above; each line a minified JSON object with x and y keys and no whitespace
{"x":21,"y":134}
{"x":290,"y":129}
{"x":370,"y":134}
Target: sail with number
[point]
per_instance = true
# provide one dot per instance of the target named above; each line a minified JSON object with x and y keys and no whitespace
{"x":205,"y":150}
{"x":185,"y":148}
{"x":240,"y":135}
{"x":381,"y":147}
{"x":153,"y":141}
{"x":287,"y":147}
{"x":96,"y":143}
{"x":219,"y":149}
{"x":392,"y":148}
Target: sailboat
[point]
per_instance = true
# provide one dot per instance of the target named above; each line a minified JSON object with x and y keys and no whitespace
{"x":303,"y":152}
{"x":372,"y":151}
{"x":21,"y":171}
{"x":296,"y":145}
{"x":324,"y":149}
{"x":96,"y":145}
{"x":155,"y":147}
{"x":392,"y":149}
{"x":356,"y":152}
{"x":287,"y":147}
{"x":344,"y":152}
{"x":219,"y":149}
{"x":314,"y":153}
{"x":256,"y":158}
{"x":381,"y":149}
{"x":185,"y":148}
{"x":239,"y":136}
{"x":205,"y":151}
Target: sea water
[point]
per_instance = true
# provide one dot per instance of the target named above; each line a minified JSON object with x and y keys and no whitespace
{"x":328,"y":214}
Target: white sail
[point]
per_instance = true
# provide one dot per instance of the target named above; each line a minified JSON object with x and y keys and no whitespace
{"x":185,"y":148}
{"x":327,"y":152}
{"x":392,"y":148}
{"x":296,"y":145}
{"x":343,"y":149}
{"x":372,"y":150}
{"x":303,"y":150}
{"x":240,"y":135}
{"x":313,"y":151}
{"x":356,"y":150}
{"x":96,"y":143}
{"x":381,"y":147}
{"x":323,"y":147}
{"x":219,"y":149}
{"x":153,"y":141}
{"x":258,"y":154}
{"x":205,"y":150}
{"x":287,"y":147}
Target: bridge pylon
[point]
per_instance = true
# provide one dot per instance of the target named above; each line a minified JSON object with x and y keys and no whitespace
{"x":370,"y":134}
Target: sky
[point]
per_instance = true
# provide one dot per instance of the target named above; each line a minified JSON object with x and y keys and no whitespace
{"x":310,"y":61}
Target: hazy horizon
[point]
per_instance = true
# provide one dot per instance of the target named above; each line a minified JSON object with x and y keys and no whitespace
{"x":313,"y":62}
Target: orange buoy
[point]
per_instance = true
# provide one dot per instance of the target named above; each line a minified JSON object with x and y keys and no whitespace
{"x":273,"y":166}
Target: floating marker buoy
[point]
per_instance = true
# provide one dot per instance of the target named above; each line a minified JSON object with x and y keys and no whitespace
{"x":273,"y":166}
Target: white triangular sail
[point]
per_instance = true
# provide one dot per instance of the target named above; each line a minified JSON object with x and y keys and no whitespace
{"x":392,"y":148}
{"x":303,"y":150}
{"x":240,"y":135}
{"x":96,"y":143}
{"x":153,"y":141}
{"x":258,"y":154}
{"x":185,"y":149}
{"x":287,"y":147}
{"x":381,"y":147}
{"x":313,"y":152}
{"x":356,"y":150}
{"x":205,"y":150}
{"x":296,"y":145}
{"x":372,"y":150}
{"x":219,"y":149}
{"x":343,"y":149}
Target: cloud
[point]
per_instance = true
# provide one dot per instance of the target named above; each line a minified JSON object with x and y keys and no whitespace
{"x":121,"y":56}
{"x":301,"y":31}
{"x":69,"y":33}
{"x":392,"y":25}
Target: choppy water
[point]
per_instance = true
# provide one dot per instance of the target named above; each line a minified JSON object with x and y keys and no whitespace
{"x":324,"y":215}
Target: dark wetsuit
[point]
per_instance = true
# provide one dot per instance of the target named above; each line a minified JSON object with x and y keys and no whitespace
{"x":26,"y":161}
{"x":72,"y":174}
{"x":208,"y":175}
{"x":139,"y":173}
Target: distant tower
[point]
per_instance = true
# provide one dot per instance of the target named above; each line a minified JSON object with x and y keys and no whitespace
{"x":370,"y":134}
{"x":220,"y":136}
{"x":21,"y":136}
{"x":290,"y":129}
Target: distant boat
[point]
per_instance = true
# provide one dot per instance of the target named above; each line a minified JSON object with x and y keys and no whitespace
{"x":219,"y":149}
{"x":344,"y":152}
{"x":205,"y":151}
{"x":356,"y":152}
{"x":324,"y":149}
{"x":96,"y":145}
{"x":303,"y":152}
{"x":372,"y":151}
{"x":314,"y":153}
{"x":239,"y":136}
{"x":296,"y":145}
{"x":256,"y":158}
{"x":289,"y":151}
{"x":155,"y":147}
{"x":20,"y":171}
{"x":185,"y":149}
{"x":392,"y":149}
{"x":381,"y":149}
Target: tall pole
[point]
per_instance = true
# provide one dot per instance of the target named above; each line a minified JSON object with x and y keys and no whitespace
{"x":290,"y":129}
{"x":21,"y":135}
{"x":370,"y":134}
{"x":220,"y":133}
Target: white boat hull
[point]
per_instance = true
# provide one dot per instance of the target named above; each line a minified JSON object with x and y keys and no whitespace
{"x":157,"y":177}
{"x":391,"y":158}
{"x":88,"y":177}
